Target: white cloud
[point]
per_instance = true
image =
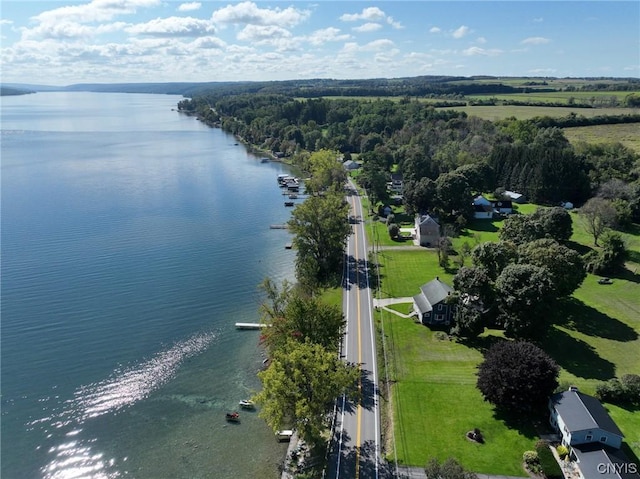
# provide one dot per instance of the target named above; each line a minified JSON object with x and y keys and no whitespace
{"x":472,"y":51}
{"x":374,"y":46}
{"x":538,"y":20}
{"x":189,"y":7}
{"x":368,"y":27}
{"x":461,"y":32}
{"x":262,"y":33}
{"x":325,"y":35}
{"x":372,"y":14}
{"x":394,"y":24}
{"x":173,"y":27}
{"x":95,"y":11}
{"x":249,"y":13}
{"x":209,"y":43}
{"x":481,"y":40}
{"x":435,"y":30}
{"x":535,"y":41}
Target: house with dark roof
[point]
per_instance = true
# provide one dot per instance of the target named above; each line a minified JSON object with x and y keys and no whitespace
{"x":582,"y":419}
{"x":482,"y":208}
{"x":431,"y":305}
{"x":593,"y":438}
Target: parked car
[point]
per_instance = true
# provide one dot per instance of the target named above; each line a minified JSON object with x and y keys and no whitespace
{"x":605,"y":281}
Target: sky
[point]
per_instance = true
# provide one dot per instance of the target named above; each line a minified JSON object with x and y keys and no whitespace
{"x":62,"y":42}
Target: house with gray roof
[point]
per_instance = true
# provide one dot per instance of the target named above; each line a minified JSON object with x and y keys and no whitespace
{"x":582,"y":419}
{"x":593,"y":438}
{"x":431,"y":305}
{"x":427,"y":231}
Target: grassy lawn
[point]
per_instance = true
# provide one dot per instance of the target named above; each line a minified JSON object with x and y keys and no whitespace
{"x":403,"y":272}
{"x":434,"y":397}
{"x":435,"y":403}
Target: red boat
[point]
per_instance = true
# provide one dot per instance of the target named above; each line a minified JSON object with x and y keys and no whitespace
{"x":233,"y":416}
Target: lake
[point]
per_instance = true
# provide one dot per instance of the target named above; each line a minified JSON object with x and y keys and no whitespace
{"x":133,"y":238}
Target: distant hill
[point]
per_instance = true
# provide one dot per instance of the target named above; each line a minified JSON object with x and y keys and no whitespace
{"x":438,"y":86}
{"x":185,"y":88}
{"x":9,"y":91}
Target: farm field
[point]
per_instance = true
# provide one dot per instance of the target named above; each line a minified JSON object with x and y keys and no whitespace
{"x":500,"y":112}
{"x":434,"y":398}
{"x":628,"y":134}
{"x":580,"y":97}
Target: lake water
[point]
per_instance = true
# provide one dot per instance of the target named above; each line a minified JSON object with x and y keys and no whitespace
{"x":133,"y":238}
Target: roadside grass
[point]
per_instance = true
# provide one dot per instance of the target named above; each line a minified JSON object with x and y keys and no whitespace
{"x":436,"y":402}
{"x":434,"y":398}
{"x":625,"y":133}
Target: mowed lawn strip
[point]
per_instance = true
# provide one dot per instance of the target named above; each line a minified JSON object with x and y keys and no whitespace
{"x":436,"y":403}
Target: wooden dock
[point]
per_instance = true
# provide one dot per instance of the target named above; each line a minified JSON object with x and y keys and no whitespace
{"x":278,"y":227}
{"x":250,"y":325}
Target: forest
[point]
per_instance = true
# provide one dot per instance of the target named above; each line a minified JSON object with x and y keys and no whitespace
{"x":426,"y":144}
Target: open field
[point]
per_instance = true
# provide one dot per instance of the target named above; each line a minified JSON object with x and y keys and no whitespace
{"x":500,"y":112}
{"x":434,"y":397}
{"x":626,"y":133}
{"x":580,"y":97}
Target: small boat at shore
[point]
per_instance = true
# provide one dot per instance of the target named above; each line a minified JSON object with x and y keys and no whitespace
{"x":233,"y":417}
{"x":289,"y":203}
{"x":247,"y":404}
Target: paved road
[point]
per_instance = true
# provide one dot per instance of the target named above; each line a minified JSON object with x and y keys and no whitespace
{"x":355,"y":451}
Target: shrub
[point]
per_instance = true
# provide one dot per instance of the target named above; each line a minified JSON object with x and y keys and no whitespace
{"x":562,"y":451}
{"x":548,"y":463}
{"x":531,"y":462}
{"x":620,"y":391}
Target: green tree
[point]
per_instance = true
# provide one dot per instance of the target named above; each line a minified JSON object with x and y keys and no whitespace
{"x":327,"y":173}
{"x":468,"y":322}
{"x":493,"y":257}
{"x":521,"y":229}
{"x":476,"y":283}
{"x":597,"y":216}
{"x":294,"y":316}
{"x":517,"y":376}
{"x":321,"y":227}
{"x":300,"y":387}
{"x":420,"y":196}
{"x":454,"y":195}
{"x":565,"y":265}
{"x":610,"y":259}
{"x":524,"y":293}
{"x":556,"y":222}
{"x":394,"y":230}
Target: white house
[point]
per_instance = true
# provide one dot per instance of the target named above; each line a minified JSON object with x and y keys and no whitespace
{"x":592,"y":436}
{"x":483,"y":209}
